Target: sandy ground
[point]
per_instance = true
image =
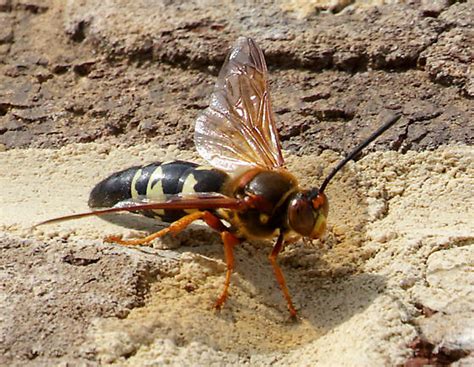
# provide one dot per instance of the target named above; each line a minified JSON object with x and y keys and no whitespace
{"x":400,"y":241}
{"x":390,"y":284}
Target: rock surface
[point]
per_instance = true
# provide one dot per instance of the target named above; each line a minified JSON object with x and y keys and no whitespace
{"x":90,"y":87}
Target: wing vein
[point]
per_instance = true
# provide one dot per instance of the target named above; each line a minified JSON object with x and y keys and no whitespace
{"x":238,"y":128}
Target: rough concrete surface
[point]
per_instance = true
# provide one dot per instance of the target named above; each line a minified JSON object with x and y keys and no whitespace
{"x":90,"y":87}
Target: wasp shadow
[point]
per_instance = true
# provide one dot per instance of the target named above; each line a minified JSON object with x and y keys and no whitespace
{"x":325,"y":281}
{"x":134,"y":222}
{"x":255,"y":318}
{"x":325,"y":294}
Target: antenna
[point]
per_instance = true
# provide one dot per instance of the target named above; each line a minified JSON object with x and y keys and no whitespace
{"x":389,"y":121}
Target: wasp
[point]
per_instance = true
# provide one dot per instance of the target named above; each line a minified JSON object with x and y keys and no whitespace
{"x":245,"y":193}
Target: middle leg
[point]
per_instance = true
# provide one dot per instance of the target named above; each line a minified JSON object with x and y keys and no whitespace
{"x":229,"y":240}
{"x":279,"y":274}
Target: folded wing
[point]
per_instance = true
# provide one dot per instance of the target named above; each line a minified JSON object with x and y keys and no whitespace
{"x":199,"y":200}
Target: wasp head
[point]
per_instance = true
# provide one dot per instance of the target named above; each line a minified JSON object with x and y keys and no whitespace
{"x":307,"y":213}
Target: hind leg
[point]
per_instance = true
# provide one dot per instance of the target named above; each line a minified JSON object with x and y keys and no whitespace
{"x":173,"y":228}
{"x":212,"y":221}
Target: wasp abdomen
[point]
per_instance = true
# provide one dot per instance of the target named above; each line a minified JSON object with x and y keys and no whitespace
{"x":155,"y":181}
{"x":113,"y":189}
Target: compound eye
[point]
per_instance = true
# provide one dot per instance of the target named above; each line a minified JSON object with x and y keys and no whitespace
{"x":301,"y":217}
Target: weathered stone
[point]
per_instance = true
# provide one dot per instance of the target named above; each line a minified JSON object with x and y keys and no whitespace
{"x":6,"y":28}
{"x":33,"y":6}
{"x":32,"y":114}
{"x":127,"y":72}
{"x":5,"y":5}
{"x":449,"y":60}
{"x":433,"y":8}
{"x":64,"y":304}
{"x":449,"y":292}
{"x":10,"y":124}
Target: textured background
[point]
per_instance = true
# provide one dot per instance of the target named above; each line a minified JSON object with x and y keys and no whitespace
{"x":89,"y":87}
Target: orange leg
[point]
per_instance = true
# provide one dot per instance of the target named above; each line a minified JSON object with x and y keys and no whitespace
{"x":173,"y":228}
{"x":279,"y":274}
{"x":212,"y":221}
{"x":229,"y":242}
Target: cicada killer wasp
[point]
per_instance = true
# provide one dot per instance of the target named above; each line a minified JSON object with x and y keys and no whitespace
{"x":246,"y":193}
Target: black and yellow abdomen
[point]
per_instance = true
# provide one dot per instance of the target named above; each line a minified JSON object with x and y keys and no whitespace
{"x":155,"y":182}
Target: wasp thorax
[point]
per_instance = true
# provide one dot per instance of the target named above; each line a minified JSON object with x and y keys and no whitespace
{"x":307,"y":213}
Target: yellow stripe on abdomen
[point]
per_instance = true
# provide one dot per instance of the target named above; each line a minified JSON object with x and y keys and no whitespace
{"x":155,"y":192}
{"x":133,"y":189}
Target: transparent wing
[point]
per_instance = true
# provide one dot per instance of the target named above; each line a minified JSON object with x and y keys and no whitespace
{"x":198,"y":200}
{"x":238,"y":128}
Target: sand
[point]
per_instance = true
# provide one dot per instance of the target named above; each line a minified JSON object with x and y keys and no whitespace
{"x":401,"y":235}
